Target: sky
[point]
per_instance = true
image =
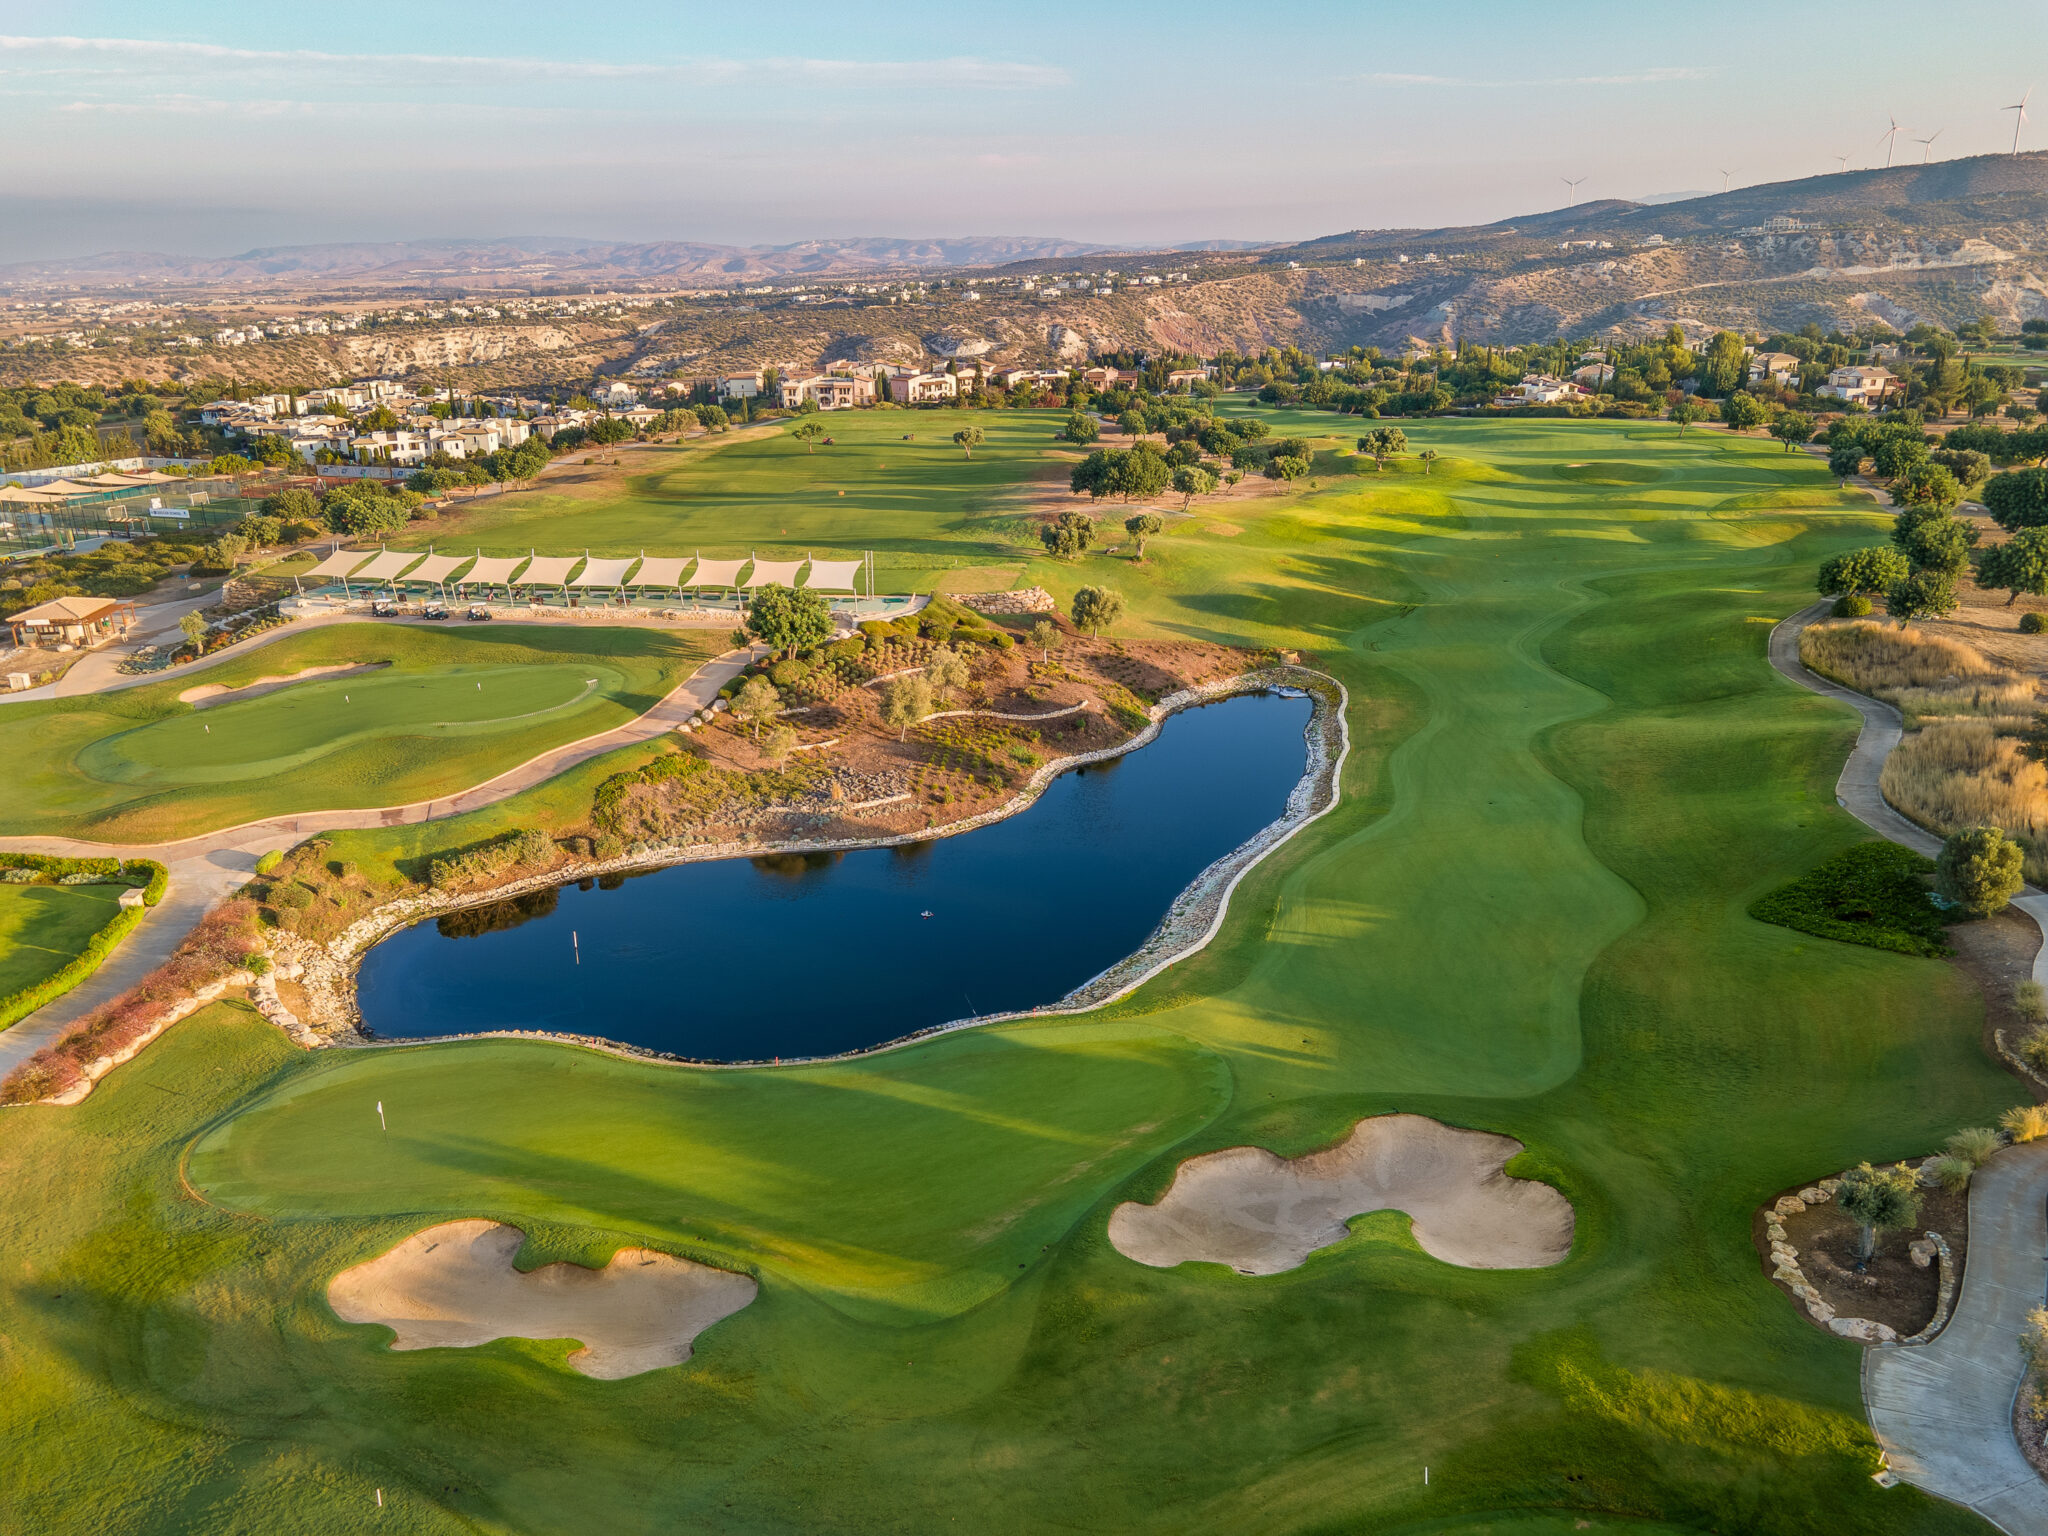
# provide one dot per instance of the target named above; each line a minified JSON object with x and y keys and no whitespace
{"x":211,"y":129}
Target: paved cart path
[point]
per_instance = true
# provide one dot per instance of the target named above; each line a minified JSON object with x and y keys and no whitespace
{"x":207,"y":867}
{"x":1943,"y":1410}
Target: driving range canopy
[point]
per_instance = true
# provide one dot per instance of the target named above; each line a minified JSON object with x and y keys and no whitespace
{"x":833,"y":575}
{"x":493,"y":570}
{"x":388,"y":565}
{"x":603,"y":573}
{"x":717,"y":573}
{"x":435,"y":568}
{"x":548,"y":571}
{"x":339,"y":564}
{"x":661,"y":571}
{"x":774,"y":573}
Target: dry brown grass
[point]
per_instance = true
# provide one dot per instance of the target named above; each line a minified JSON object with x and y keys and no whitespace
{"x":1927,"y":677}
{"x":1963,"y":773}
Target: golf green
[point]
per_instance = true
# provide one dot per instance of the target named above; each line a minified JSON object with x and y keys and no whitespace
{"x":1572,"y":771}
{"x":441,"y":711}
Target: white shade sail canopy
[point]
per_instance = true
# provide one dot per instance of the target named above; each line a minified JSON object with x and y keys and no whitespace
{"x":388,"y":565}
{"x":603,"y":573}
{"x":717,"y":573}
{"x":660,"y":571}
{"x":493,"y":570}
{"x":833,"y":575}
{"x":548,"y":571}
{"x":774,"y":573}
{"x":435,"y":567}
{"x":339,"y":564}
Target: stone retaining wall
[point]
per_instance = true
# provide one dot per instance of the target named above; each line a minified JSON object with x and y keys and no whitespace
{"x":328,"y":971}
{"x":1864,"y":1330}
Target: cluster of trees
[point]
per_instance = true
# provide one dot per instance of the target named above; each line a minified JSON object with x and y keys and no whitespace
{"x":358,"y":508}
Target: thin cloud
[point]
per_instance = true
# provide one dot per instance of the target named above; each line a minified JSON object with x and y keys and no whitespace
{"x":1661,"y":75}
{"x":116,"y":54}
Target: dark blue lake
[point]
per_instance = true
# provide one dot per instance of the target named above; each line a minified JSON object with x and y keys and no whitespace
{"x":749,"y":959}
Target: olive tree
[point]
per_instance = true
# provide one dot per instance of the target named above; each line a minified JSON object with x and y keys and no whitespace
{"x":905,"y":701}
{"x":1792,"y":428}
{"x":1097,"y":608}
{"x":1042,"y":635}
{"x":756,"y":701}
{"x":1190,"y":481}
{"x":1922,"y":595}
{"x":2018,"y":565}
{"x":967,"y":437}
{"x":1879,"y":1200}
{"x":1141,"y":525}
{"x":1980,"y":869}
{"x":809,"y":433}
{"x":1068,"y":536}
{"x":946,"y":671}
{"x":789,"y":619}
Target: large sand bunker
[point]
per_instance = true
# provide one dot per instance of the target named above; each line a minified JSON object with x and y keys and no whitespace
{"x":453,"y":1286}
{"x":207,"y":694}
{"x":1261,"y":1213}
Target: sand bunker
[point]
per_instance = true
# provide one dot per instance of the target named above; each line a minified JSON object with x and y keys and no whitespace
{"x":453,"y":1286}
{"x":220,"y":693}
{"x":1261,"y":1213}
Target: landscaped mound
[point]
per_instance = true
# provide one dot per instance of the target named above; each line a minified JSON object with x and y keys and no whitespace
{"x":1261,"y":1213}
{"x":453,"y":1287}
{"x":1873,"y":894}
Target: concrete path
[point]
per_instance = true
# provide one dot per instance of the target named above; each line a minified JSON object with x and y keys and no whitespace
{"x":100,"y":671}
{"x":208,"y":867}
{"x":1943,"y":1411}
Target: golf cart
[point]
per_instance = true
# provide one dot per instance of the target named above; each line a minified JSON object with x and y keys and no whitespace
{"x":479,"y":613}
{"x":434,"y":611}
{"x":383,"y":608}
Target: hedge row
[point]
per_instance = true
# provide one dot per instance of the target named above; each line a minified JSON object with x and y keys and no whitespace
{"x":19,"y":1005}
{"x":221,"y":944}
{"x":528,"y":845}
{"x":1873,"y":894}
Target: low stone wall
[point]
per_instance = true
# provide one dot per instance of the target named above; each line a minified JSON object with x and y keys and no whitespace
{"x":328,"y":973}
{"x":1864,"y":1330}
{"x":1030,"y":600}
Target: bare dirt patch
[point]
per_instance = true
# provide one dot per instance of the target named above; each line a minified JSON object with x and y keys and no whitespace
{"x":208,"y":694}
{"x":453,"y":1287}
{"x":1261,"y":1213}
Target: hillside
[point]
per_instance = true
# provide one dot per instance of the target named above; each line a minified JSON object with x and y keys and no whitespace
{"x":1943,"y":243}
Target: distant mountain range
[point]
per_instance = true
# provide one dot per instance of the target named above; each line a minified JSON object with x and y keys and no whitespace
{"x":537,"y":261}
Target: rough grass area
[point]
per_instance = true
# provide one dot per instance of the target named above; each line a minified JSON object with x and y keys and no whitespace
{"x":1873,"y":894}
{"x":453,"y":708}
{"x":1573,"y":770}
{"x":1924,"y":676}
{"x":1963,"y":773}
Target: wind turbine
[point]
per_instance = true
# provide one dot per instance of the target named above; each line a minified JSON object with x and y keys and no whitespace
{"x":1928,"y":142}
{"x":1574,"y":193}
{"x":1886,"y":139}
{"x":2020,"y":108}
{"x":1724,"y":180}
{"x":1842,"y":163}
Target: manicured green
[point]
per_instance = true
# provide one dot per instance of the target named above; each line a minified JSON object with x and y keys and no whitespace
{"x":1873,"y":893}
{"x":43,"y":928}
{"x":1573,"y":771}
{"x":921,"y":505}
{"x":446,"y":709}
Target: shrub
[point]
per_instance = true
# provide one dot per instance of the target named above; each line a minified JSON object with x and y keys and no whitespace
{"x":1855,"y":606}
{"x":1873,"y":894}
{"x":1974,"y":1144}
{"x":2030,"y":1000}
{"x":878,"y":632}
{"x":1953,"y":1173}
{"x":529,"y":845}
{"x":1979,"y":870}
{"x":2025,"y":1122}
{"x":268,"y":863}
{"x":2034,"y":623}
{"x":291,"y":897}
{"x":258,"y":965}
{"x":784,"y":673}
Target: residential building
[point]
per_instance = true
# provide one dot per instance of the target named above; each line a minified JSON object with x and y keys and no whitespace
{"x":1865,"y":386}
{"x":1539,"y":389}
{"x":740,"y":386}
{"x":399,"y":447}
{"x":1781,"y":368}
{"x":831,"y":392}
{"x":923,"y":388}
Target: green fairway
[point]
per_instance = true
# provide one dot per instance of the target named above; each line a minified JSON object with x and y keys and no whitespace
{"x":1573,"y":770}
{"x":921,"y":505}
{"x":43,"y":928}
{"x":445,"y":710}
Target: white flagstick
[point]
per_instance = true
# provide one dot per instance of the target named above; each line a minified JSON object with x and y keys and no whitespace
{"x":380,"y":1118}
{"x":577,"y":945}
